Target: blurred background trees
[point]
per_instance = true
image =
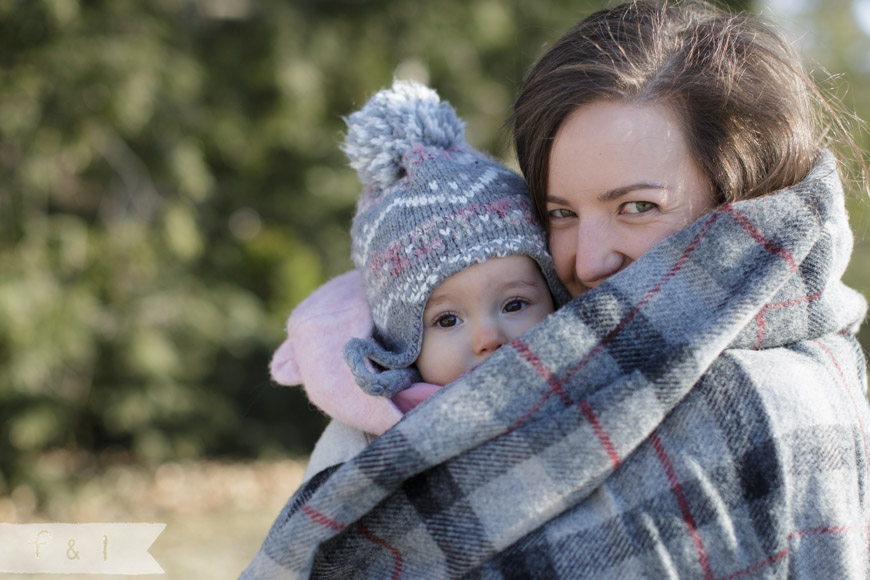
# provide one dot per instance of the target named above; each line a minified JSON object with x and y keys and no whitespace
{"x":171,"y":186}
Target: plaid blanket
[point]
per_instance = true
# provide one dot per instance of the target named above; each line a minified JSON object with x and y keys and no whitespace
{"x":702,"y":414}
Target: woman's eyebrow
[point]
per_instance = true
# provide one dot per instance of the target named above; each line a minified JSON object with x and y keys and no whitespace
{"x":557,"y":200}
{"x":610,"y":194}
{"x":618,"y":192}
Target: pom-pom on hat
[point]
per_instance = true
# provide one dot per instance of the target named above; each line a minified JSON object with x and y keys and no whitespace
{"x":431,"y":206}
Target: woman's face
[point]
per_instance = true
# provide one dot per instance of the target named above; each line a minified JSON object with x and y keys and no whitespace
{"x":621,"y":179}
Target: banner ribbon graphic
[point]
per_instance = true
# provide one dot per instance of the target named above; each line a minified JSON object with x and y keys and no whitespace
{"x":78,"y":548}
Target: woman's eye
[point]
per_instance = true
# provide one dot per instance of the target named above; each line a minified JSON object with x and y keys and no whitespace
{"x":515,"y":305}
{"x":638,"y":206}
{"x":561,"y":213}
{"x":447,"y":321}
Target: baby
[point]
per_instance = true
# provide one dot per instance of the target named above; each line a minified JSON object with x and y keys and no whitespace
{"x":452,"y":261}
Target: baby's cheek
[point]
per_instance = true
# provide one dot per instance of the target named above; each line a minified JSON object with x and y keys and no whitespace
{"x":539,"y":316}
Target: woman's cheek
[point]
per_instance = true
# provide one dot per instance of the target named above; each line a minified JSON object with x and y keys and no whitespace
{"x":564,"y":258}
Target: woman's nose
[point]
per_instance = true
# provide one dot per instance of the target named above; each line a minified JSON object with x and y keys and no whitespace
{"x":488,"y":338}
{"x":597,"y":254}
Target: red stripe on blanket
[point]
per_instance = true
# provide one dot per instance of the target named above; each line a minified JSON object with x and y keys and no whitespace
{"x":556,"y":384}
{"x":851,"y":397}
{"x":683,"y":503}
{"x":760,"y":321}
{"x":600,"y":432}
{"x":556,"y":388}
{"x":779,"y":556}
{"x":321,"y":519}
{"x":537,"y":364}
{"x":397,"y":556}
{"x":678,"y":265}
{"x":756,"y":235}
{"x":782,"y":554}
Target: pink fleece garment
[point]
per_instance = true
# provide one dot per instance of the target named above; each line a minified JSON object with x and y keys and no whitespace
{"x":317,"y":330}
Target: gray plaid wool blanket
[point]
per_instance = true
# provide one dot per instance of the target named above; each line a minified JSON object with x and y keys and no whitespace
{"x":702,"y":414}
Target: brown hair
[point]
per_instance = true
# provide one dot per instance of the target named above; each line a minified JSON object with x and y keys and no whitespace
{"x":748,"y":108}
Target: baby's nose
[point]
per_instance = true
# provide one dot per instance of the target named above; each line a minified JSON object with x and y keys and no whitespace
{"x":488,"y":338}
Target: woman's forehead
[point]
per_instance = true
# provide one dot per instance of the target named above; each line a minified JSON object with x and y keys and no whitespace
{"x":608,"y":149}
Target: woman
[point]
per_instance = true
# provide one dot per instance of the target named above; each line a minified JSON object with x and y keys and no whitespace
{"x":699,"y":409}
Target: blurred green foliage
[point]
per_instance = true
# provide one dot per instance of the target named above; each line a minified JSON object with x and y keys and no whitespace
{"x":171,"y":186}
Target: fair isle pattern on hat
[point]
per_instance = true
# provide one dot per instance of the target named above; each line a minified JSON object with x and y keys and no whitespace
{"x":431,"y":206}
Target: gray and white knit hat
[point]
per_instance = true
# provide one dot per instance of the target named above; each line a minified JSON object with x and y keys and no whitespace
{"x":431,"y":206}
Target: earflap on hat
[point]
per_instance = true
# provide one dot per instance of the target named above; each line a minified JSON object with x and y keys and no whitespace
{"x":358,"y":353}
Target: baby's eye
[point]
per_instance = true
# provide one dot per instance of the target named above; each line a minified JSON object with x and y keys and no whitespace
{"x":447,"y":320}
{"x":561,"y":213}
{"x":638,"y":207}
{"x":515,"y":305}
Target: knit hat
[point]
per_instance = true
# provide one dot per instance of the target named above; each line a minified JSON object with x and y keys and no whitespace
{"x":431,"y":206}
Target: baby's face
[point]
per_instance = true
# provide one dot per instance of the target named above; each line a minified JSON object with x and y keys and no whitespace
{"x":475,"y":311}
